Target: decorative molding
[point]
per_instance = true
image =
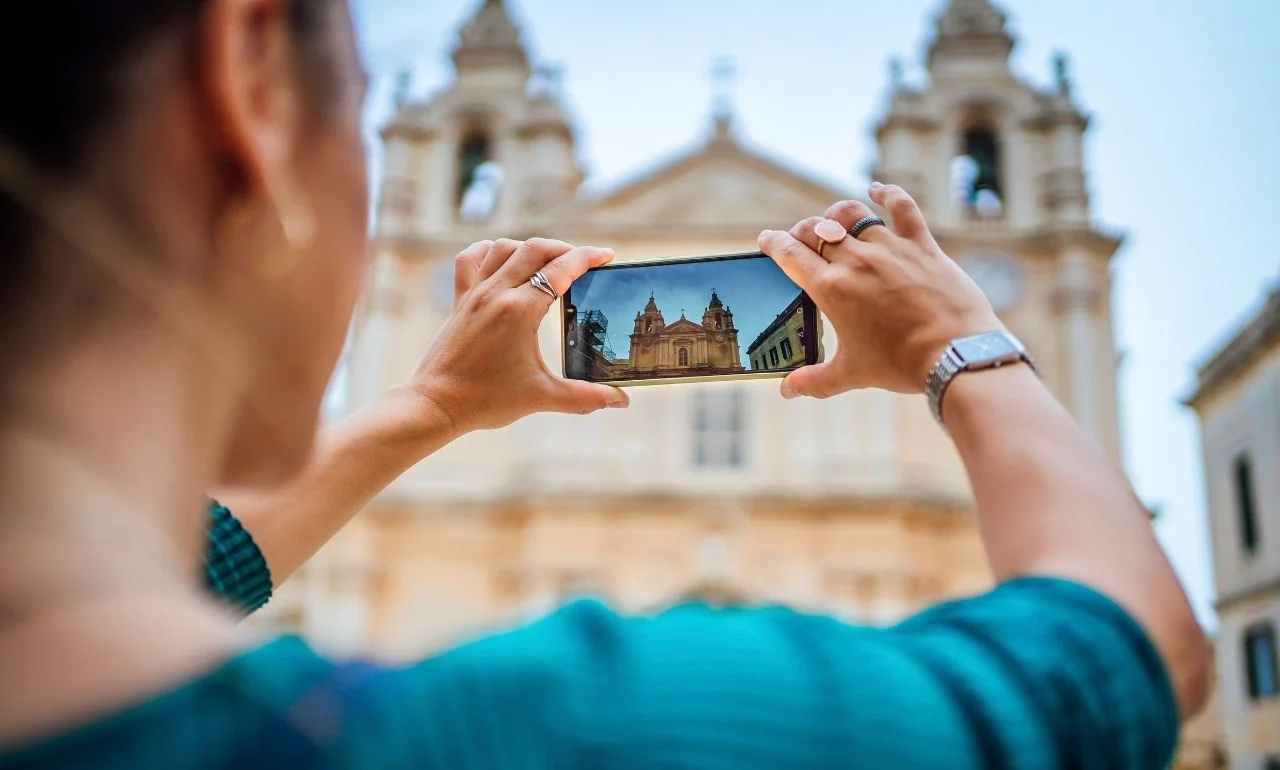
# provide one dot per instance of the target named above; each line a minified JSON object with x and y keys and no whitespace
{"x":904,"y":120}
{"x":407,"y":128}
{"x":1064,"y":185}
{"x":1260,"y":335}
{"x":1068,"y":299}
{"x":1241,"y":595}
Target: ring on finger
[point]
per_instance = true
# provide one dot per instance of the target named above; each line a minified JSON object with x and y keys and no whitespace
{"x":864,"y":224}
{"x":540,"y":282}
{"x":835,"y":234}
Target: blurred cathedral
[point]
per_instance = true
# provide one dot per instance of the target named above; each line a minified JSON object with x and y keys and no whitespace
{"x":855,"y":506}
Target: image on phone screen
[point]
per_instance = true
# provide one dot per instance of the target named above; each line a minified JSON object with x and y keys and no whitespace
{"x":699,"y":318}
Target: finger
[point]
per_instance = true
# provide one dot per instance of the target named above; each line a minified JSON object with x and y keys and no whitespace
{"x":904,"y":213}
{"x":531,"y":257}
{"x":562,"y":271}
{"x":804,"y":231}
{"x":815,"y":381}
{"x":848,"y":213}
{"x":466,"y":267}
{"x":800,"y":263}
{"x":499,"y":253}
{"x":827,"y":237}
{"x":581,"y":397}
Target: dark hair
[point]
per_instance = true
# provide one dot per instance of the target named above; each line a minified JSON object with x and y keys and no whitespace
{"x":66,"y":72}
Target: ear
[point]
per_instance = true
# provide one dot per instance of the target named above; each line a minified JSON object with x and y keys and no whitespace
{"x":250,"y":73}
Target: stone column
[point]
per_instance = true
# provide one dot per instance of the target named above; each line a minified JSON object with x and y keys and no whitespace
{"x":1076,"y":303}
{"x":373,"y":349}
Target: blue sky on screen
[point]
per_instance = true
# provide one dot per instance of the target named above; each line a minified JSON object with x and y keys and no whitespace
{"x":754,"y":289}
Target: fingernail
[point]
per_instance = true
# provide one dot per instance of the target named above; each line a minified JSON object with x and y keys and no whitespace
{"x":764,"y":234}
{"x":787,"y":392}
{"x":876,"y":185}
{"x":618,"y":404}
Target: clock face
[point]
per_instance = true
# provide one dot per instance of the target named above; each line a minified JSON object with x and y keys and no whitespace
{"x":999,"y":277}
{"x":719,"y":338}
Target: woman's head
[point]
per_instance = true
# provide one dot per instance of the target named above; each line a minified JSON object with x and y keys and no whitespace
{"x":190,"y":170}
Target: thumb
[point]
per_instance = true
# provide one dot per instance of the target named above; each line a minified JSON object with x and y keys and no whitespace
{"x":580,"y":397}
{"x":817,"y":381}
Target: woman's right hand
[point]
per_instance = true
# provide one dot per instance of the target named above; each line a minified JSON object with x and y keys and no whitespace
{"x":485,"y":369}
{"x":895,"y":299}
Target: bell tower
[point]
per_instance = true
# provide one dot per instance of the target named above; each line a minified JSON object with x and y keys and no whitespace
{"x":649,"y":320}
{"x":997,"y":165}
{"x":494,"y":148}
{"x":717,"y":317}
{"x":488,"y":155}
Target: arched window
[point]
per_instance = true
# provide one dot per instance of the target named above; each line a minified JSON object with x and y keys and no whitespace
{"x":472,"y":154}
{"x":719,"y":322}
{"x":981,"y":145}
{"x":719,"y":428}
{"x":683,"y":356}
{"x":1261,"y":675}
{"x":976,"y":172}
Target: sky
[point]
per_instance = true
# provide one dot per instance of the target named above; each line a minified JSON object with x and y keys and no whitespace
{"x":1182,"y":150}
{"x":755,"y":290}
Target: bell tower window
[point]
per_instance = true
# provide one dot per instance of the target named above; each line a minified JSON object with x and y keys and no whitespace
{"x":473,"y":154}
{"x":479,"y":177}
{"x":976,"y":172}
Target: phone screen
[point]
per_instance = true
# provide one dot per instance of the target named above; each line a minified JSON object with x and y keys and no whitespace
{"x":697,"y":318}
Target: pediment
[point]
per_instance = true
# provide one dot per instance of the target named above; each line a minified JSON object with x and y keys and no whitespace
{"x":721,"y":185}
{"x":684,"y":326}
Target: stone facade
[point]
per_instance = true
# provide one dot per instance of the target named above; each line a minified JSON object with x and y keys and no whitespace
{"x":1238,"y":401}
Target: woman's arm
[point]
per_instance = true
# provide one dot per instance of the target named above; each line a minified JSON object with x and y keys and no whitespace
{"x":484,"y":370}
{"x":1049,"y":502}
{"x":354,"y":460}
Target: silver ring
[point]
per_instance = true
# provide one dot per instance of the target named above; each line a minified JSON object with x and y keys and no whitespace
{"x":862,"y":225}
{"x":540,"y":282}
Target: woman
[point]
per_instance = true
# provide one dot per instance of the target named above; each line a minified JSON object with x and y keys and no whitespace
{"x":182,"y":214}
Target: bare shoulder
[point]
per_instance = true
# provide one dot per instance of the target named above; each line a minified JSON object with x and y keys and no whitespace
{"x":70,"y":668}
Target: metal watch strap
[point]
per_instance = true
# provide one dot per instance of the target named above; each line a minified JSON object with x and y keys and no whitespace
{"x":952,"y":363}
{"x":939,"y":378}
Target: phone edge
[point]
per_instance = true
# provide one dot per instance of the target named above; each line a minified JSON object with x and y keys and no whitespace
{"x":820,"y":353}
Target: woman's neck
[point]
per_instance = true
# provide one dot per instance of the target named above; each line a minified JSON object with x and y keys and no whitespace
{"x":104,"y":472}
{"x":101,"y":534}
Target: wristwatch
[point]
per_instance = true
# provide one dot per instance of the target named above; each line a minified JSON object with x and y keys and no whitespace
{"x":971,"y":354}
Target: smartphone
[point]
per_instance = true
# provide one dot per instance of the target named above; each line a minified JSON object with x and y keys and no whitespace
{"x":688,"y":319}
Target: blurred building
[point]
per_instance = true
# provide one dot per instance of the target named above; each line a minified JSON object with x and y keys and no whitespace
{"x":856,"y":505}
{"x":1238,"y":400}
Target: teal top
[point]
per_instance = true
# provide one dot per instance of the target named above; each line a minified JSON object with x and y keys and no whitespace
{"x":1037,"y":673}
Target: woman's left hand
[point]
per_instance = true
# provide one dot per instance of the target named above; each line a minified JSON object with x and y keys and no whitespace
{"x":485,"y":369}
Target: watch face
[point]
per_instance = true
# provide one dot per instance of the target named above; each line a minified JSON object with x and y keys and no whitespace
{"x":993,"y":347}
{"x":1000,"y":278}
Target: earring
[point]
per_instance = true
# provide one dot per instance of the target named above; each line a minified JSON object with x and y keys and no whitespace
{"x":298,"y":226}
